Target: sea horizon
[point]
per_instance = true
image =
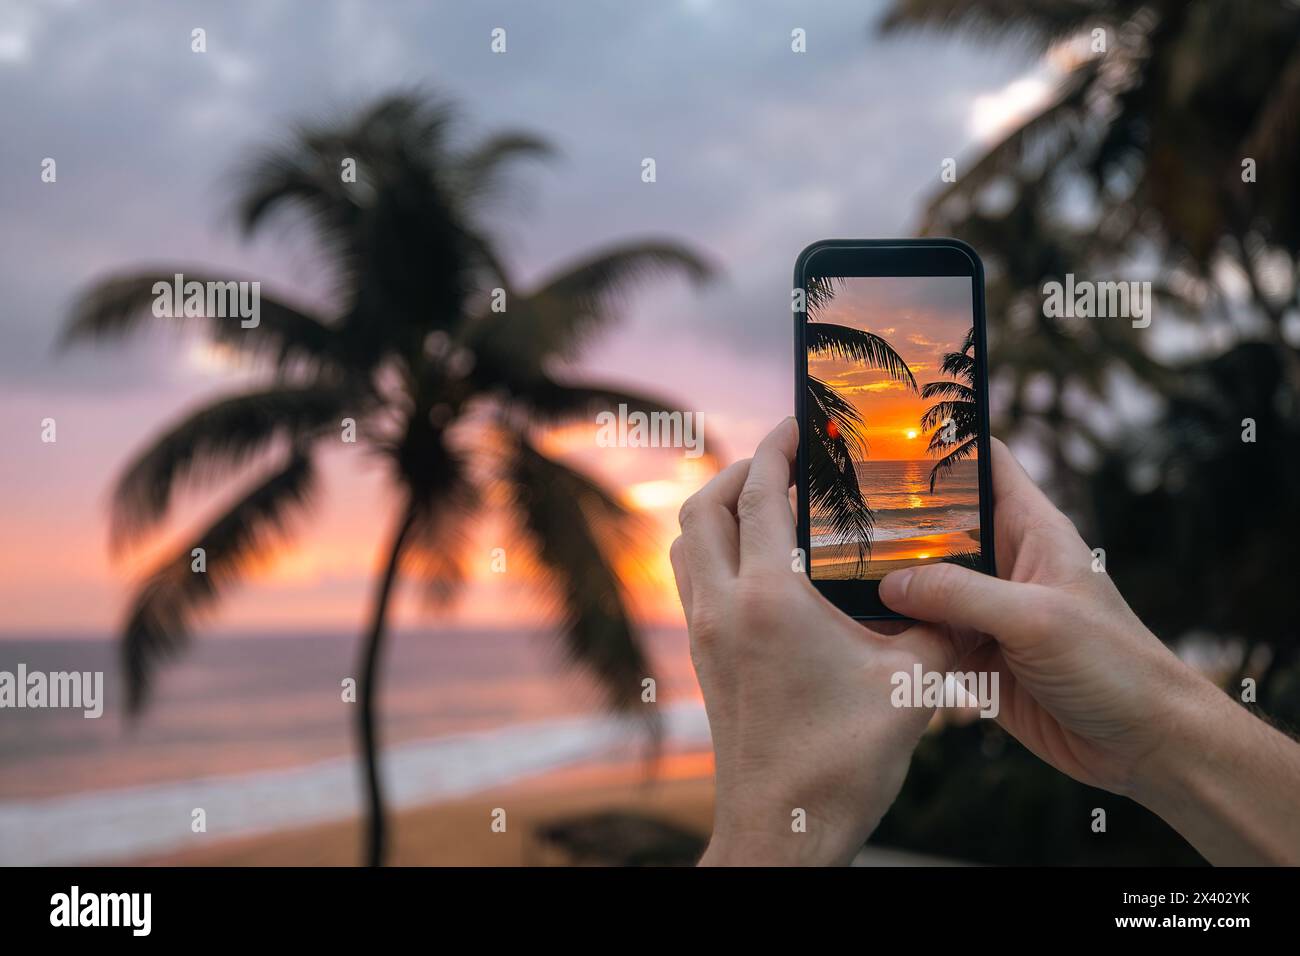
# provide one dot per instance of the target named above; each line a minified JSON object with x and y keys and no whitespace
{"x":237,"y":702}
{"x":898,"y":493}
{"x":255,"y":731}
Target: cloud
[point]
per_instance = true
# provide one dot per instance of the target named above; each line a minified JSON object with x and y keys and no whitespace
{"x":760,"y":150}
{"x":994,"y":115}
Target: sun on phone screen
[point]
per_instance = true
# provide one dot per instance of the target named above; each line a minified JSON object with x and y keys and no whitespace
{"x":893,"y":424}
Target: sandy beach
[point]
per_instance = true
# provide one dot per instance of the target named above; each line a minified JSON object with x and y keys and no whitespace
{"x":459,"y":832}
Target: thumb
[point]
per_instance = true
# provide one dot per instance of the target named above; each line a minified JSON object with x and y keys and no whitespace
{"x":946,"y":593}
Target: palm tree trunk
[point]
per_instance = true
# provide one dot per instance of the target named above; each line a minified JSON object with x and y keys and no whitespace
{"x":369,"y":665}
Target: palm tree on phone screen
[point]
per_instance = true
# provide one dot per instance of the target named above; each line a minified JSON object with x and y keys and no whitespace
{"x":953,"y":417}
{"x":837,"y":430}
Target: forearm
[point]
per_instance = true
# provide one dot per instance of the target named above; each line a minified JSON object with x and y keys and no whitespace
{"x":1228,"y":782}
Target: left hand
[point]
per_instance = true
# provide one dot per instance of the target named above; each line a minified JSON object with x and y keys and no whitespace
{"x":797,"y":692}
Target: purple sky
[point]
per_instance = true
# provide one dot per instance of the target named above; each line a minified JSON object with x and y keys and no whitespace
{"x":759,"y":151}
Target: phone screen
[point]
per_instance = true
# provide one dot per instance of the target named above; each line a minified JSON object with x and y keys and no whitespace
{"x":893,"y":422}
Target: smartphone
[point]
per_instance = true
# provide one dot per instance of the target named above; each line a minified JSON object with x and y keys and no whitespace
{"x":891,"y":396}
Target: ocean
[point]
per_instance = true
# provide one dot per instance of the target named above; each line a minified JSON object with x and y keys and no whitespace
{"x":254,"y":731}
{"x":899,"y":494}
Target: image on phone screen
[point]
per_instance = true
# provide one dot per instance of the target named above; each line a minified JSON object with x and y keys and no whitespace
{"x":893,"y":424}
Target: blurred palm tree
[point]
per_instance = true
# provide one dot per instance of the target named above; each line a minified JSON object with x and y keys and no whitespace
{"x":835,"y":499}
{"x":1167,"y":153}
{"x":441,"y":383}
{"x":954,"y":417}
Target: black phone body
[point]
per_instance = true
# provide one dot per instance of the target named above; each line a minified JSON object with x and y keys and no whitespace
{"x":894,"y":332}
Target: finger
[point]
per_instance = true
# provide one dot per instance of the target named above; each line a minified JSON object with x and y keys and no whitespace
{"x":937,"y":647}
{"x":682,"y":576}
{"x":767,"y":535}
{"x":723,"y":488}
{"x":959,"y":597}
{"x":1022,"y":507}
{"x":710,"y":539}
{"x":1012,"y":483}
{"x":957,"y":656}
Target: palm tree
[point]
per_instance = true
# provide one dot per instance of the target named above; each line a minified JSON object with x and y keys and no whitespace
{"x":956,"y":408}
{"x":445,"y":389}
{"x":1175,"y":140}
{"x":834,"y":497}
{"x":1167,"y":154}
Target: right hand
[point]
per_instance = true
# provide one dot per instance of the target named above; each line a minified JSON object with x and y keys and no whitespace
{"x":1082,"y":682}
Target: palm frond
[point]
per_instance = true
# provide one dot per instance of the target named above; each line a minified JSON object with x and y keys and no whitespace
{"x":819,"y":293}
{"x":115,"y":307}
{"x":575,"y":527}
{"x":562,"y":314}
{"x":968,"y":341}
{"x":215,"y":441}
{"x":403,"y":247}
{"x":164,"y":609}
{"x":306,"y":180}
{"x":958,"y":407}
{"x":958,"y":365}
{"x":858,"y":345}
{"x":480,"y":168}
{"x":960,"y":413}
{"x":551,"y":402}
{"x":1046,"y":138}
{"x":957,"y":391}
{"x":972,"y":559}
{"x":834,"y":497}
{"x":1276,"y":128}
{"x":849,"y":425}
{"x":1043,"y":21}
{"x":945,"y":464}
{"x":388,"y":139}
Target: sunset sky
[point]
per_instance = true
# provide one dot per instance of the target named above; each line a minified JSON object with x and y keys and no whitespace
{"x":923,"y":319}
{"x":759,"y":152}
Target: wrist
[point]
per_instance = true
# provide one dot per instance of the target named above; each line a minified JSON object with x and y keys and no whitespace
{"x":1189,"y":724}
{"x":787,"y":842}
{"x":1213,"y":780}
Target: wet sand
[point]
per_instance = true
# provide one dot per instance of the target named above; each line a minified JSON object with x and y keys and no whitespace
{"x":840,"y":563}
{"x":460,"y":833}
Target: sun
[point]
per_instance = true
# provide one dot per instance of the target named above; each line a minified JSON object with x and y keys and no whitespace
{"x":911,"y":433}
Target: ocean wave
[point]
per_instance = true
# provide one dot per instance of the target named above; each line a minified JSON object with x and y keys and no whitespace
{"x":130,"y":822}
{"x":895,"y":524}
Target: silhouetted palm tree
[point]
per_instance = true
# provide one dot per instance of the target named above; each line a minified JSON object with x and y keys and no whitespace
{"x":1170,"y":141}
{"x":954,"y":418}
{"x":835,"y":499}
{"x":446,"y":390}
{"x":1168,"y":153}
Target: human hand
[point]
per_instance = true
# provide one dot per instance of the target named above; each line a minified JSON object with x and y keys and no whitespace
{"x":1083,"y":683}
{"x":1088,"y":688}
{"x":797,"y":693}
